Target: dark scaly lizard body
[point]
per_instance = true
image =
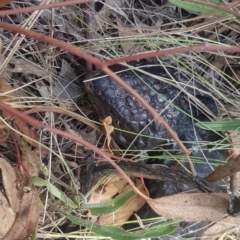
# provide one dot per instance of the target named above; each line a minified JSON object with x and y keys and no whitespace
{"x":111,"y":99}
{"x":159,"y":172}
{"x":127,"y":113}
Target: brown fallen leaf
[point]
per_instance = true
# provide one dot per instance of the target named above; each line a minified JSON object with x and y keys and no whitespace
{"x":29,"y":160}
{"x":6,"y":95}
{"x":114,"y":184}
{"x":101,"y":16}
{"x":24,"y":66}
{"x":89,"y":137}
{"x":7,"y":216}
{"x":27,"y":217}
{"x":226,"y":170}
{"x":234,"y":152}
{"x":4,"y":132}
{"x":9,"y":183}
{"x":128,"y":209}
{"x":108,"y":129}
{"x":131,"y":47}
{"x":220,"y":229}
{"x":192,"y":206}
{"x":32,"y":135}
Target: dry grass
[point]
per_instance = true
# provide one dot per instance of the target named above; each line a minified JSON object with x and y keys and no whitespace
{"x":141,"y":27}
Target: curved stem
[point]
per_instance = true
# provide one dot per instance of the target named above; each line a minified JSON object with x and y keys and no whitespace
{"x":101,"y":65}
{"x":40,"y":125}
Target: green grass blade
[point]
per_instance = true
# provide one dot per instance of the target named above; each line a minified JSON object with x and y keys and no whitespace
{"x":196,"y":7}
{"x":110,"y":205}
{"x":54,"y":191}
{"x":119,"y":234}
{"x":220,"y":125}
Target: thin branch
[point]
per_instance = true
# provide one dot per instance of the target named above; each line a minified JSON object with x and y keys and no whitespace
{"x":39,"y":125}
{"x":172,"y":51}
{"x":101,"y":65}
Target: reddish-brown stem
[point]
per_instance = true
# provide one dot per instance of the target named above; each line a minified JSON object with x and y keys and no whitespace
{"x":198,"y":48}
{"x":101,"y":65}
{"x":40,"y":125}
{"x":41,"y":7}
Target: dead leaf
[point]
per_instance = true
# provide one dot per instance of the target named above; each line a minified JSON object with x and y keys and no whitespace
{"x":25,"y":66}
{"x":65,"y":89}
{"x":7,"y":216}
{"x":126,"y":211}
{"x":33,"y":138}
{"x":104,"y":192}
{"x":234,"y":152}
{"x":108,"y":129}
{"x":27,"y":218}
{"x":192,"y":206}
{"x":9,"y":183}
{"x":109,"y":7}
{"x":90,"y":137}
{"x":131,"y":47}
{"x":226,"y":170}
{"x":6,"y":95}
{"x":219,"y":229}
{"x":4,"y":132}
{"x":29,"y":160}
{"x":6,"y":90}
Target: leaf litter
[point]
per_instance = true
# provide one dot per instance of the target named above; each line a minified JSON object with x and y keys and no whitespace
{"x":7,"y":216}
{"x":114,"y":186}
{"x":192,"y":206}
{"x":19,"y":210}
{"x":19,"y":203}
{"x":186,"y":199}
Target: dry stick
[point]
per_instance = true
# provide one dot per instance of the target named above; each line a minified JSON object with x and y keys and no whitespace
{"x":41,"y":7}
{"x":39,"y":125}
